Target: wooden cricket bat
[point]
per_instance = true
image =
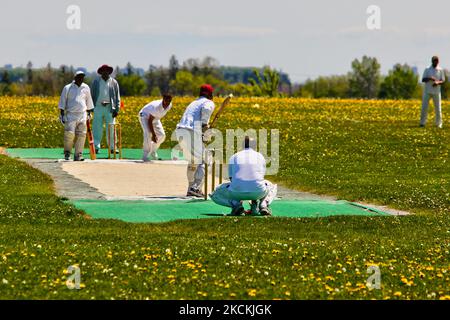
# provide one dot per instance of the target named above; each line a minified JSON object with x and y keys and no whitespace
{"x":91,"y":140}
{"x":224,"y":104}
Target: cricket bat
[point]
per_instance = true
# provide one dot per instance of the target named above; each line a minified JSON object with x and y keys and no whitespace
{"x":91,"y":140}
{"x":223,"y":106}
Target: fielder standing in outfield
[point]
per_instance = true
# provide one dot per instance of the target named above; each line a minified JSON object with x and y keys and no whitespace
{"x":246,"y":170}
{"x":75,"y":106}
{"x":189,"y":133}
{"x":106,"y":97}
{"x":433,"y":77}
{"x":150,"y":118}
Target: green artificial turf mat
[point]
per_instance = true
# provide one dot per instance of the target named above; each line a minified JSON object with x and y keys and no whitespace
{"x":58,"y":153}
{"x":163,"y":211}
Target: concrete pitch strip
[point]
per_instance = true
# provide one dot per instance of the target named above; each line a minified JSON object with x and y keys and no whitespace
{"x":134,"y":191}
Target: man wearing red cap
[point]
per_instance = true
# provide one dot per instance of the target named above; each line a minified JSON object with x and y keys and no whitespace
{"x":189,"y":134}
{"x":106,"y":96}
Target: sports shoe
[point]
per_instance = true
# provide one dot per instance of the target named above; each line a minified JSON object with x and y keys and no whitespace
{"x":154,"y":156}
{"x":66,"y":155}
{"x":253,"y":208}
{"x":78,"y":157}
{"x":238,"y":211}
{"x":195,"y":193}
{"x":96,"y":151}
{"x":265,"y":211}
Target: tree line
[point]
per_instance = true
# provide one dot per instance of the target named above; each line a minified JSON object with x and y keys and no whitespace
{"x":363,"y":81}
{"x":180,"y":78}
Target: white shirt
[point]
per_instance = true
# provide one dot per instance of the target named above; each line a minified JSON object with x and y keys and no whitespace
{"x":198,"y":111}
{"x":103,"y":92}
{"x":156,"y":109}
{"x":437,"y":73}
{"x":76,"y":99}
{"x":247,"y":169}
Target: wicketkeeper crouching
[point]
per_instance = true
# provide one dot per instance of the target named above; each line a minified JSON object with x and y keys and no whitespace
{"x":246,"y":170}
{"x":75,"y":106}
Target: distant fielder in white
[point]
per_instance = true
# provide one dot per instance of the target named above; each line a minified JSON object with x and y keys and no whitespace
{"x":246,"y":170}
{"x":433,"y":77}
{"x":189,"y":133}
{"x":150,"y":118}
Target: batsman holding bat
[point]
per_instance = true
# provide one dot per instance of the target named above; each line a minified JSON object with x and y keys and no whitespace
{"x":189,"y":134}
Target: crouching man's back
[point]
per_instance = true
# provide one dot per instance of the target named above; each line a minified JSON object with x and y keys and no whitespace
{"x":246,"y":170}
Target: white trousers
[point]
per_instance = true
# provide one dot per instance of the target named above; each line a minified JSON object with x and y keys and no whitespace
{"x":102,"y":115}
{"x":75,"y":132}
{"x":149,"y":146}
{"x":192,"y":145}
{"x":223,"y":196}
{"x":437,"y":108}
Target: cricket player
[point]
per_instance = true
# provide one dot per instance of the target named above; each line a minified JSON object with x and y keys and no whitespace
{"x":433,"y":77}
{"x":75,"y":106}
{"x":106,"y":97}
{"x":189,"y":133}
{"x":150,"y":118}
{"x":246,"y":170}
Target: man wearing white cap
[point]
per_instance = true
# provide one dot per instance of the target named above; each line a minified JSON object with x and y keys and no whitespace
{"x":246,"y":170}
{"x":150,"y":118}
{"x":75,"y":106}
{"x":433,"y":77}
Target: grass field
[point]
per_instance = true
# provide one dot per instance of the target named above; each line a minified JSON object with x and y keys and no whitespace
{"x":358,"y":150}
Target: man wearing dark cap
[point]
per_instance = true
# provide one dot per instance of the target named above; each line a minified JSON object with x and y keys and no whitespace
{"x":106,"y":96}
{"x":189,"y":134}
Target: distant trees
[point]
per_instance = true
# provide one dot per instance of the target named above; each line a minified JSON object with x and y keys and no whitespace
{"x":323,"y":87}
{"x":401,"y":83}
{"x":265,"y":84}
{"x":174,"y":67}
{"x":364,"y":80}
{"x":180,"y":78}
{"x":5,"y":83}
{"x":131,"y":84}
{"x":445,"y":86}
{"x":183,"y":84}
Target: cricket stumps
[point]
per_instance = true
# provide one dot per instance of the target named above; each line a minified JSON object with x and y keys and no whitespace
{"x":116,"y":129}
{"x":214,"y":158}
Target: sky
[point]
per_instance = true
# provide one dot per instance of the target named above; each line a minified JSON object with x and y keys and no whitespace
{"x":305,"y":39}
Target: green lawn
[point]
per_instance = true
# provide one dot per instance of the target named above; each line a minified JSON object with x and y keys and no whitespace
{"x":225,"y":258}
{"x":371,"y":151}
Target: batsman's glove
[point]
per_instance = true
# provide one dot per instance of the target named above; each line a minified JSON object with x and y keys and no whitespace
{"x":115,"y":113}
{"x":61,"y":118}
